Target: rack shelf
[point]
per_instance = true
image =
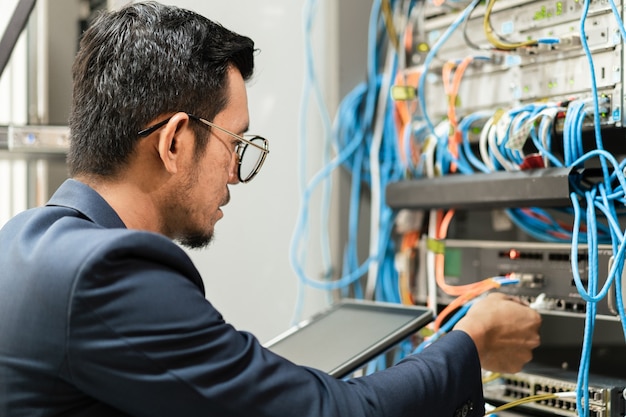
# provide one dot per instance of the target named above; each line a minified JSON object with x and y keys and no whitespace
{"x":546,"y":187}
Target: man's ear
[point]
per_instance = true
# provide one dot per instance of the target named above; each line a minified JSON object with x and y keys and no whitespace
{"x":170,"y":142}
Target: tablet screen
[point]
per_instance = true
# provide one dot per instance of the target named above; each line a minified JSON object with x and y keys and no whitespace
{"x":349,"y":334}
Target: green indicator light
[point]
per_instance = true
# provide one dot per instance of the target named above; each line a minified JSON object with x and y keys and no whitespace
{"x":423,"y":47}
{"x":559,"y":8}
{"x":541,"y":14}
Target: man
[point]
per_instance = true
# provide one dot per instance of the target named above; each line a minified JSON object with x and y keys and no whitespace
{"x":103,"y":315}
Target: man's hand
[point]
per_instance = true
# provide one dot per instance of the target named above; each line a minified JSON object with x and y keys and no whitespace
{"x":505,"y":331}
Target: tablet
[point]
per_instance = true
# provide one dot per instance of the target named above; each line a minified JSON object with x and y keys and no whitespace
{"x":349,"y":334}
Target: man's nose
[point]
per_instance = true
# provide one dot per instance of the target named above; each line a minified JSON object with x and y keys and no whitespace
{"x":233,"y":175}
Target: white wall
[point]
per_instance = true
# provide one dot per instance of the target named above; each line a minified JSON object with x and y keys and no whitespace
{"x":246,"y":270}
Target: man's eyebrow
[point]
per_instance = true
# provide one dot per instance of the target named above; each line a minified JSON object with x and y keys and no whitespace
{"x":244,"y":130}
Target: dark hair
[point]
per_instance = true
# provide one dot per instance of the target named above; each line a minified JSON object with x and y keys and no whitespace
{"x":140,"y":62}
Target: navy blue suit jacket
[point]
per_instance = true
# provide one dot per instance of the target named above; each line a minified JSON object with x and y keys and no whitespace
{"x":99,"y":320}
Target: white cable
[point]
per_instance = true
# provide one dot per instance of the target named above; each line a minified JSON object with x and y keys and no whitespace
{"x":482,"y":144}
{"x":428,"y":156}
{"x":518,"y":137}
{"x":550,"y":114}
{"x":493,"y":138}
{"x":540,"y":302}
{"x":431,"y":279}
{"x":377,"y":136}
{"x":567,"y":394}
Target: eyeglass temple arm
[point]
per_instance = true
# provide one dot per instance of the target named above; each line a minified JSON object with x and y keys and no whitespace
{"x":153,"y":128}
{"x":206,"y":122}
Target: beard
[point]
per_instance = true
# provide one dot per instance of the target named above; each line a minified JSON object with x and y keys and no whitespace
{"x":183,"y":217}
{"x":196,"y":240}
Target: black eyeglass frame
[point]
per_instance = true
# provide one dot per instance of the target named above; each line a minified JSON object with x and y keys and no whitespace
{"x":239,"y":150}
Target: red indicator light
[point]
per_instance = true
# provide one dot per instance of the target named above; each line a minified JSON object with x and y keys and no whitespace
{"x":514,"y":254}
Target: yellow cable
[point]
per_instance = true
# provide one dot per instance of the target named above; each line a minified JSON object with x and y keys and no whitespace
{"x":491,"y":377}
{"x":493,"y":39}
{"x":391,"y":29}
{"x":531,"y":399}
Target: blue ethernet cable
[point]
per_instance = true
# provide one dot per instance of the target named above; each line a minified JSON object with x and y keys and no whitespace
{"x":445,"y":328}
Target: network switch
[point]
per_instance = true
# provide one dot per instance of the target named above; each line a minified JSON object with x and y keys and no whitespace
{"x":607,"y":396}
{"x":541,"y":268}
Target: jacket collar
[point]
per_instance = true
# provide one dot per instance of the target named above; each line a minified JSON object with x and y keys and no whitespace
{"x":84,"y":199}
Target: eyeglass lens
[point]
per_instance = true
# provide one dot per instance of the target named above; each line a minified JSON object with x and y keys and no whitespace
{"x":251,"y":159}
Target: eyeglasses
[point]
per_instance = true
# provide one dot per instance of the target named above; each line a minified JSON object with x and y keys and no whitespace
{"x":255,"y":148}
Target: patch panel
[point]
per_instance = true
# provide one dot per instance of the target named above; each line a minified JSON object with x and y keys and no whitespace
{"x":607,"y":396}
{"x":553,"y":71}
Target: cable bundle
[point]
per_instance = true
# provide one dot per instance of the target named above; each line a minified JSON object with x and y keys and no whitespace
{"x":379,"y":140}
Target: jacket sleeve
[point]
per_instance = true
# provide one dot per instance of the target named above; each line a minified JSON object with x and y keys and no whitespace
{"x":143,"y":339}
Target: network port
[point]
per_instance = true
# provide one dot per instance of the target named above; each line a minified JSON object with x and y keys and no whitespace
{"x":559,"y":257}
{"x":527,"y":280}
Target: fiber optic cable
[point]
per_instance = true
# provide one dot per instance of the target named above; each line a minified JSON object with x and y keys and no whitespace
{"x":493,"y":39}
{"x":492,"y":376}
{"x":391,"y":29}
{"x":531,"y":399}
